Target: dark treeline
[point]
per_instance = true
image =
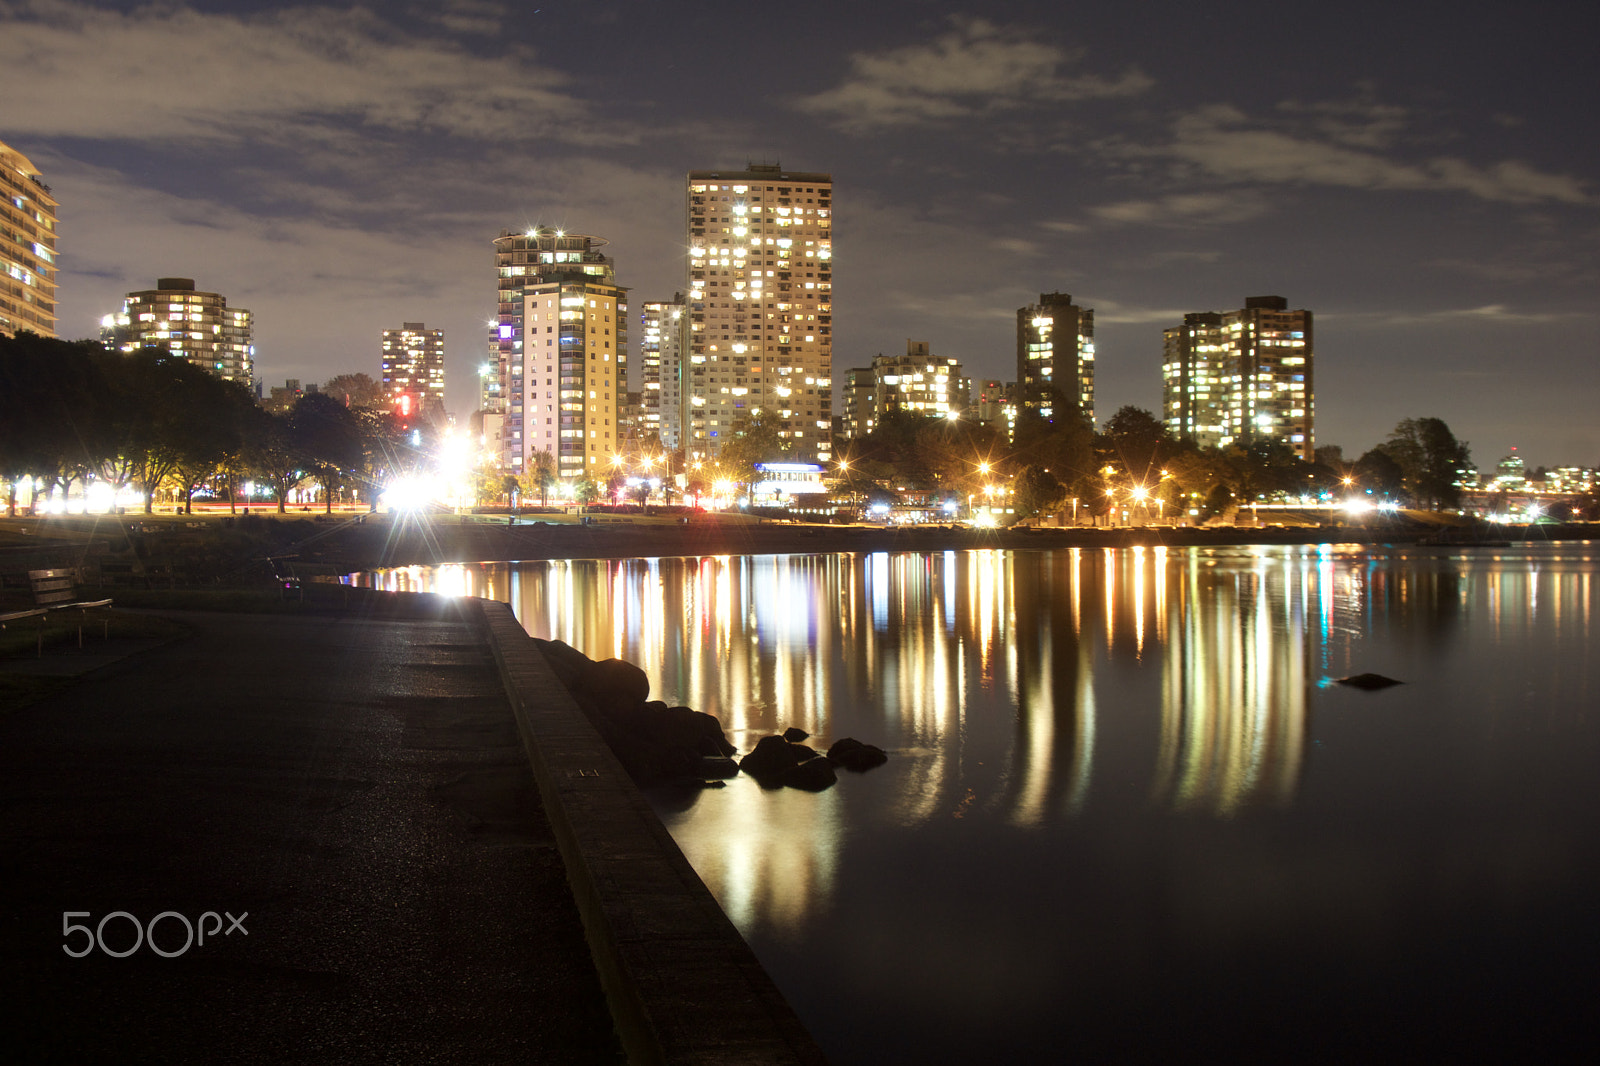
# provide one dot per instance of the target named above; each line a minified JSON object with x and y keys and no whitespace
{"x":1134,"y":462}
{"x":75,"y":412}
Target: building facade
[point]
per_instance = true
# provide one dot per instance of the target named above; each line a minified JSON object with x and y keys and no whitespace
{"x":522,"y":260}
{"x":200,"y":326}
{"x":1055,"y":354}
{"x":918,"y":383}
{"x":760,"y":298}
{"x":27,"y":248}
{"x":1241,"y":376}
{"x":566,"y":379}
{"x":413,"y":369}
{"x":995,"y":407}
{"x":662,"y":397}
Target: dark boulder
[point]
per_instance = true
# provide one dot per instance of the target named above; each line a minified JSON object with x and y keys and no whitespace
{"x":813,"y":775}
{"x":568,"y":663}
{"x":616,"y":682}
{"x":771,"y":757}
{"x":853,"y":755}
{"x":1370,"y":682}
{"x":794,"y":734}
{"x":717,"y":766}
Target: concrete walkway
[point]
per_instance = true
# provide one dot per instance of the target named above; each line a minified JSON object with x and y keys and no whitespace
{"x":353,"y":793}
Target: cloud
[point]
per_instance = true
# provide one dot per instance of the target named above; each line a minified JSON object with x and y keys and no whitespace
{"x":1183,"y":209}
{"x":975,"y":69}
{"x":477,"y":18}
{"x":171,"y":73}
{"x":1225,"y":144}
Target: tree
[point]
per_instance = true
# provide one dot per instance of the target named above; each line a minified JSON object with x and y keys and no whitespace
{"x":751,"y":439}
{"x":1377,"y":473}
{"x":213,"y":434}
{"x":586,"y":491}
{"x":1038,"y":491}
{"x":1140,"y":442}
{"x":271,"y":452}
{"x":543,"y":475}
{"x":355,"y":390}
{"x":1431,"y":461}
{"x":328,"y":436}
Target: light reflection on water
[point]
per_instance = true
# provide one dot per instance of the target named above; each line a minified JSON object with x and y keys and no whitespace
{"x":1063,"y":718}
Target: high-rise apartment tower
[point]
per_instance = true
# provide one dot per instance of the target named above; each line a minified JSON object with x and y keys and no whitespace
{"x":27,"y":248}
{"x":413,"y":368}
{"x":760,"y":306}
{"x":200,"y":326}
{"x":660,"y":369}
{"x":1055,"y":356}
{"x":560,"y":353}
{"x":1241,"y":376}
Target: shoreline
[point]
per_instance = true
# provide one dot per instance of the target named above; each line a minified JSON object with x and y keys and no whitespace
{"x":321,"y":546}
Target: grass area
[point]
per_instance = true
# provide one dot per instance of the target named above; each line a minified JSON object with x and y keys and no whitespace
{"x":18,"y":690}
{"x":20,"y":639}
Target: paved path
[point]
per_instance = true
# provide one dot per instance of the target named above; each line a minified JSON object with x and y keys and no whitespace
{"x":358,"y":789}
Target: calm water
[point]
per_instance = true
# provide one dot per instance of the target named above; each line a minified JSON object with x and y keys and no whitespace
{"x":1126,"y":814}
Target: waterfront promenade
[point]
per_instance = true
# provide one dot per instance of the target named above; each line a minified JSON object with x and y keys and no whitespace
{"x":353,"y":790}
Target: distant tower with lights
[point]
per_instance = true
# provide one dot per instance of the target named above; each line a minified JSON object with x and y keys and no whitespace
{"x":1240,"y":376}
{"x":558,"y":353}
{"x":27,"y":248}
{"x":200,"y":326}
{"x":413,"y":369}
{"x":760,"y":307}
{"x":661,"y":369}
{"x":1055,"y":354}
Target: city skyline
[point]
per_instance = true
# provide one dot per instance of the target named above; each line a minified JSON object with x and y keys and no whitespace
{"x":1412,"y":176}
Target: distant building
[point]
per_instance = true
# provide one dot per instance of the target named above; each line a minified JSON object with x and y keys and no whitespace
{"x":27,"y":248}
{"x":560,"y":353}
{"x":413,"y":369}
{"x":858,"y":404}
{"x":1241,"y":376}
{"x":200,"y":326}
{"x":995,"y":406}
{"x":1055,"y":355}
{"x":760,"y":306}
{"x":918,"y":383}
{"x":662,"y":397}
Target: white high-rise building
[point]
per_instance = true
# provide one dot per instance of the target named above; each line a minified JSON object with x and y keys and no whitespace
{"x":660,"y":370}
{"x":760,"y":305}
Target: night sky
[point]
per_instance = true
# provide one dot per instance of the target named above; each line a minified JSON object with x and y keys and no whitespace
{"x":1424,"y":176}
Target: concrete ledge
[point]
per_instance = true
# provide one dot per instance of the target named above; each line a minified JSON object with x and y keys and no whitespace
{"x":683,"y":986}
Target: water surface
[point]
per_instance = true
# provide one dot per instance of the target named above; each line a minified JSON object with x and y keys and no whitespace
{"x":1127,"y":814}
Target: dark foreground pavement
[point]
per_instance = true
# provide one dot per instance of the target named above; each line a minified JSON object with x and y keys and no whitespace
{"x":354,"y":792}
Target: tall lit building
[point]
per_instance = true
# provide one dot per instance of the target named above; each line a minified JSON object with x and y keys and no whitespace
{"x":560,"y":352}
{"x":197,"y":325}
{"x":918,"y":383}
{"x":660,"y":369}
{"x":760,"y":306}
{"x":413,"y":369}
{"x":1241,"y":376}
{"x":27,"y":248}
{"x":1055,"y":351}
{"x":521,"y":260}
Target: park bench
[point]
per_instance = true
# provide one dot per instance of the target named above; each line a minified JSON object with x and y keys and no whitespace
{"x":53,"y":591}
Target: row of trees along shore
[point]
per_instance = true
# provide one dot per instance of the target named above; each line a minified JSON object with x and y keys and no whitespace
{"x":1063,"y":459}
{"x":74,"y":411}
